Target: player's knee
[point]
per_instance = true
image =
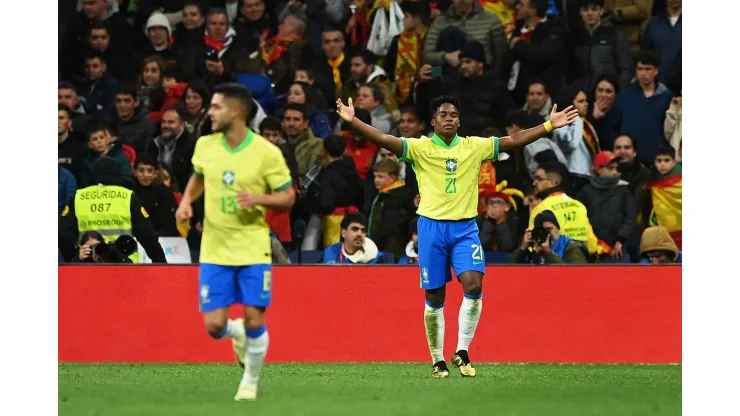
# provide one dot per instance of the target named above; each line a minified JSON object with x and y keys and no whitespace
{"x":254,"y":322}
{"x":215,"y":327}
{"x":473,"y":289}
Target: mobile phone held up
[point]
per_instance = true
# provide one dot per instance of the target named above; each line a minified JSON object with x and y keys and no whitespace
{"x":212,"y":55}
{"x":436,"y":72}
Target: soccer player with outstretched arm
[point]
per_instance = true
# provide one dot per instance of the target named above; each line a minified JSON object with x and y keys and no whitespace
{"x":447,"y":168}
{"x":242,"y":174}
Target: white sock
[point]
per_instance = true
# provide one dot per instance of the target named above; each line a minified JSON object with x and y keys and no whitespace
{"x":231,"y":330}
{"x":255,"y":357}
{"x":434,"y":323}
{"x":468,"y":321}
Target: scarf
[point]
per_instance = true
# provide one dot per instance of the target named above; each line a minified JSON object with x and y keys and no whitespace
{"x":335,"y":64}
{"x":275,"y":47}
{"x":605,"y":182}
{"x":558,"y":247}
{"x":220,"y":46}
{"x":590,"y":137}
{"x":505,"y":13}
{"x":408,"y":55}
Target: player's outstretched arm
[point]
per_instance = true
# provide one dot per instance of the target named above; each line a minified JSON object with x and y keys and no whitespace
{"x":525,"y":137}
{"x":370,"y":133}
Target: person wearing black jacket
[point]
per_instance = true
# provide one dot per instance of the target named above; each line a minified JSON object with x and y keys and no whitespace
{"x":339,"y":181}
{"x":107,"y":173}
{"x":498,"y":229}
{"x":609,"y":203}
{"x":174,"y":147}
{"x":271,"y":128}
{"x":390,"y":210}
{"x":157,"y":199}
{"x":536,"y":51}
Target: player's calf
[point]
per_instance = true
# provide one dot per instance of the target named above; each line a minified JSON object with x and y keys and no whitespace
{"x":468,"y":318}
{"x":257,"y":342}
{"x":219,"y":325}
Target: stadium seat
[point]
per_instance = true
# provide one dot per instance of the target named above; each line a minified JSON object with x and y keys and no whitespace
{"x":388,"y":258}
{"x":497,"y":257}
{"x":610,"y":260}
{"x":307,"y":257}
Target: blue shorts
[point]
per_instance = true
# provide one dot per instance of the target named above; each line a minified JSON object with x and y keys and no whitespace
{"x":445,"y":244}
{"x":223,"y":286}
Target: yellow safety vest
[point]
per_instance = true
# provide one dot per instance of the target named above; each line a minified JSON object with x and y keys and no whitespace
{"x":107,"y":210}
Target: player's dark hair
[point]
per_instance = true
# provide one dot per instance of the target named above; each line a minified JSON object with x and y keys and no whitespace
{"x":368,"y":57}
{"x":87,"y":235}
{"x":664,"y":150}
{"x":363,"y":115}
{"x":444,"y":99}
{"x":334,"y":145}
{"x":146,"y":159}
{"x":375,"y":90}
{"x":127,"y":89}
{"x":357,"y":217}
{"x":271,"y":123}
{"x":632,"y":140}
{"x":646,"y":58}
{"x":66,"y":109}
{"x":301,"y":108}
{"x":239,"y":93}
{"x":388,"y":166}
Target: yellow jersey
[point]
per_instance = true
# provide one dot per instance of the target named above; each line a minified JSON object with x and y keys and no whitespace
{"x":448,"y":175}
{"x":233,"y":236}
{"x":572,"y":217}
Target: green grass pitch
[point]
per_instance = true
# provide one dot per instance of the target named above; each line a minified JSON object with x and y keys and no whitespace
{"x":370,"y":389}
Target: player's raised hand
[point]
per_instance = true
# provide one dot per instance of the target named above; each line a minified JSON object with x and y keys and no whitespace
{"x":246,"y":199}
{"x":184,"y":212}
{"x":563,"y":118}
{"x":346,"y":112}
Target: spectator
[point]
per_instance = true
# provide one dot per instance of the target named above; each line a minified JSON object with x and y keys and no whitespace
{"x":111,"y":132}
{"x":443,"y":44}
{"x":364,"y":71}
{"x":98,"y":89}
{"x":604,"y":120}
{"x":72,"y":146}
{"x":68,"y":96}
{"x":67,"y":187}
{"x":302,"y":93}
{"x":497,"y":224}
{"x":151,"y":90}
{"x":174,"y":147}
{"x":390,"y":210}
{"x":306,"y":74}
{"x":536,"y":51}
{"x":518,"y":120}
{"x":161,"y":42}
{"x":362,"y":151}
{"x":554,"y":248}
{"x":306,"y":146}
{"x":631,"y":169}
{"x":657,"y":247}
{"x":538,"y":100}
{"x":483,"y":96}
{"x":167,"y":177}
{"x":282,"y":53}
{"x":272,"y":130}
{"x":672,"y":123}
{"x":190,"y":32}
{"x":403,"y":60}
{"x":629,"y":17}
{"x":598,"y":48}
{"x":358,"y":25}
{"x":663,"y":36}
{"x":548,"y":181}
{"x":196,"y":100}
{"x":578,"y":141}
{"x":333,"y":67}
{"x":354,"y":247}
{"x":610,"y":205}
{"x":99,"y":42}
{"x":88,"y":240}
{"x":641,"y":107}
{"x":134,"y":127}
{"x":253,"y":24}
{"x":156,"y":198}
{"x":100,"y":146}
{"x":663,"y":205}
{"x":173,"y":88}
{"x":411,"y":252}
{"x":370,"y":98}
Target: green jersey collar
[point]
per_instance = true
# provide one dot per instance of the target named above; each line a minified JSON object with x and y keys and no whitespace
{"x":439,"y":142}
{"x":241,"y":146}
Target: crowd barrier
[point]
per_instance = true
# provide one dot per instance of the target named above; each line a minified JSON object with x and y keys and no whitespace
{"x":568,"y":314}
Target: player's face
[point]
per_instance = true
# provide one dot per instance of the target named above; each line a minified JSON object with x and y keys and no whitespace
{"x":354,"y":235}
{"x":446,"y":121}
{"x":222,"y":116}
{"x":145,"y":174}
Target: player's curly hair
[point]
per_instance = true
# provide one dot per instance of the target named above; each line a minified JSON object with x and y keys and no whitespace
{"x":444,"y":99}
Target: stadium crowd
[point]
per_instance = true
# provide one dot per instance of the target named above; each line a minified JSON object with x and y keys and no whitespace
{"x":136,"y":78}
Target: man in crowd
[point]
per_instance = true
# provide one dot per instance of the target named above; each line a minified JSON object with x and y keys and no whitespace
{"x":390,"y":209}
{"x":333,"y":67}
{"x":657,"y":247}
{"x":550,"y":247}
{"x":365,"y":71}
{"x":135,"y":128}
{"x":354,"y":247}
{"x":67,"y":95}
{"x":306,"y":146}
{"x":174,"y":147}
{"x":98,"y":88}
{"x":72,"y":146}
{"x":497,"y":230}
{"x":156,"y":198}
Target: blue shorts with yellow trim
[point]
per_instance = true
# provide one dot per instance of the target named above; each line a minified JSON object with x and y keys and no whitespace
{"x":448,"y":244}
{"x":222,"y":286}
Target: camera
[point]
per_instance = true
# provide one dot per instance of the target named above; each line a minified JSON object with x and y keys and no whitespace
{"x":540,"y":235}
{"x":115,"y":252}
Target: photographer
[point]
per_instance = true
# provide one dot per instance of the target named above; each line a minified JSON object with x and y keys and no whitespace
{"x":113,"y":211}
{"x":543,"y":244}
{"x":87,"y":241}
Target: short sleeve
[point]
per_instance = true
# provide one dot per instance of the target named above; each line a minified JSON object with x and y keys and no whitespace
{"x":198,"y":157}
{"x":275,"y":170}
{"x":489,"y":148}
{"x":411,"y":149}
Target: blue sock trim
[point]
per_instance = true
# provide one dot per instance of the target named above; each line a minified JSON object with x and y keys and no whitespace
{"x":219,"y":334}
{"x":441,"y":305}
{"x":254,"y":333}
{"x":478,"y":296}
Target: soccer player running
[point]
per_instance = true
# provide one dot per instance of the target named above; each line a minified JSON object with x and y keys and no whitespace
{"x":237,"y":168}
{"x":447,"y":168}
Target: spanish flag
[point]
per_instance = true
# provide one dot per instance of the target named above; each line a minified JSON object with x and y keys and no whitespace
{"x":666,"y":191}
{"x":506,"y":14}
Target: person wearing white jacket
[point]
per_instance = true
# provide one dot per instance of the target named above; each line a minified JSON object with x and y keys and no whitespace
{"x":578,"y":141}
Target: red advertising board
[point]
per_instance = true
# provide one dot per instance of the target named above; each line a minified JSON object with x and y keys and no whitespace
{"x":568,"y":314}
